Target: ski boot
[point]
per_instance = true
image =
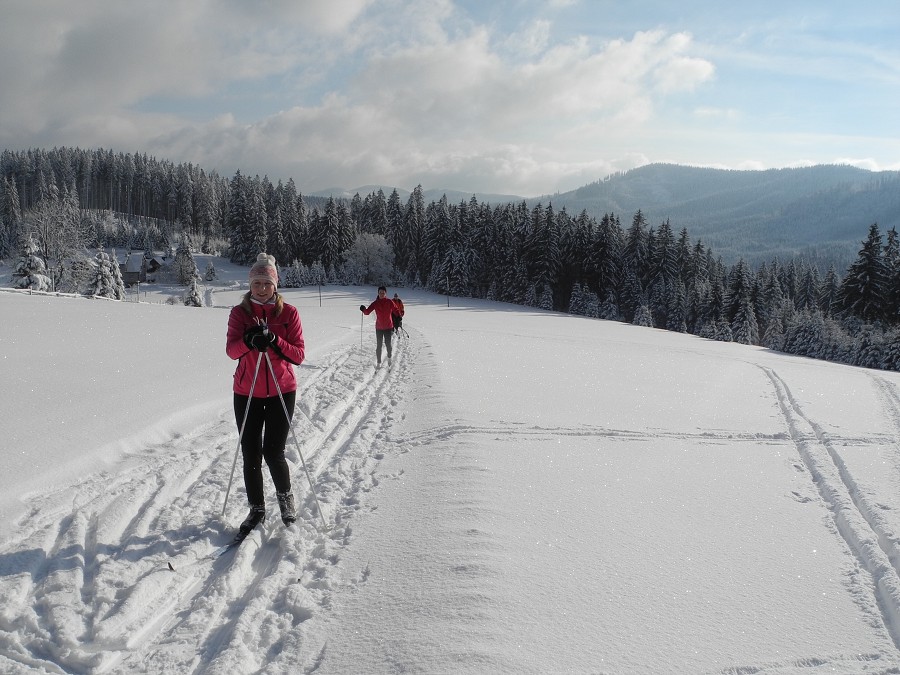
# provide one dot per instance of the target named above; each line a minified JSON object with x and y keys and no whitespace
{"x":255,"y":517}
{"x":288,"y":509}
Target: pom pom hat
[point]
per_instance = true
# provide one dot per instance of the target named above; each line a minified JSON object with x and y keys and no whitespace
{"x":264,"y":268}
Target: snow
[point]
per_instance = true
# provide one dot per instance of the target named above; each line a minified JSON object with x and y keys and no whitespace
{"x":519,"y":492}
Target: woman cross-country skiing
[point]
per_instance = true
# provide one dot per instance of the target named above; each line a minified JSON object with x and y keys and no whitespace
{"x":384,"y":309}
{"x":397,"y":316}
{"x":263,"y":324}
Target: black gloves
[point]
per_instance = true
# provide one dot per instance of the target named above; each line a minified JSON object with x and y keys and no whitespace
{"x":255,"y":329}
{"x":259,"y":337}
{"x":362,"y":308}
{"x":262,"y":341}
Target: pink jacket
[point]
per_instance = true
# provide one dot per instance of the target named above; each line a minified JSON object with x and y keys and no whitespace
{"x":383,"y":308}
{"x":289,"y":352}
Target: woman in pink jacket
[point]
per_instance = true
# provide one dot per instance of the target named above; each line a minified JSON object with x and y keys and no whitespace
{"x":384,"y":309}
{"x":263,"y":324}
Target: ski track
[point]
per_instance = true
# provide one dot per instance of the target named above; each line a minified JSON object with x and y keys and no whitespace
{"x":860,"y":523}
{"x":107,"y":542}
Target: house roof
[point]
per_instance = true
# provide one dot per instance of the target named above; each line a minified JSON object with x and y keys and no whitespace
{"x":133,"y":263}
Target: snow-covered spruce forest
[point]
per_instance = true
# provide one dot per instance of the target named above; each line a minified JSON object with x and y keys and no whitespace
{"x":58,"y":207}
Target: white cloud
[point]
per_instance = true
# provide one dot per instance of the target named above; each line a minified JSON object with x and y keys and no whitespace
{"x":352,"y":92}
{"x":530,"y":41}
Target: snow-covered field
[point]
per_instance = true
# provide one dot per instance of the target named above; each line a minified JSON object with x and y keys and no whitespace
{"x":521,"y":492}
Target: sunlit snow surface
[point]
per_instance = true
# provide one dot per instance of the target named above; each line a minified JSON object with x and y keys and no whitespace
{"x":519,"y":492}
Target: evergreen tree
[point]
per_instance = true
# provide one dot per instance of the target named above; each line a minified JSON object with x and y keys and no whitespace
{"x":10,"y":218}
{"x":395,"y":231}
{"x":609,"y":309}
{"x":676,"y":311}
{"x":292,"y":225}
{"x":809,"y":289}
{"x":643,"y":317}
{"x":29,"y":270}
{"x":892,"y":265}
{"x":116,"y":272}
{"x":636,"y":253}
{"x":739,"y":291}
{"x":865,"y":288}
{"x":576,"y":300}
{"x":546,"y":301}
{"x":744,"y":327}
{"x":193,"y":298}
{"x":632,"y":296}
{"x":329,"y":238}
{"x":829,"y":293}
{"x":185,"y":267}
{"x":104,"y":283}
{"x":238,"y":220}
{"x":413,"y":230}
{"x":77,"y":275}
{"x":805,"y":334}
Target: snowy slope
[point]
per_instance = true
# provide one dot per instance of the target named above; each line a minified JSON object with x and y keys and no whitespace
{"x":521,"y":492}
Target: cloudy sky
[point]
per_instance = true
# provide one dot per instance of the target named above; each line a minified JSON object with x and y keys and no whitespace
{"x":518,"y":97}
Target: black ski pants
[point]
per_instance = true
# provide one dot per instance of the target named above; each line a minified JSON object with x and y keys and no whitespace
{"x":383,"y":337}
{"x":265,"y":435}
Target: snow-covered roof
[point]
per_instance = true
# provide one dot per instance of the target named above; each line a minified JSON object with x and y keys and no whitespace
{"x":133,"y":263}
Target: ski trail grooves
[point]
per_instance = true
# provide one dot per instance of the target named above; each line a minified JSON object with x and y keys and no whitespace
{"x":106,"y":541}
{"x":280,"y":577}
{"x":890,"y":401}
{"x":353,"y":407}
{"x":860,"y":524}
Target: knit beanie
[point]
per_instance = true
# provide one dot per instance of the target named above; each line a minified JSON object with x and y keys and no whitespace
{"x":264,"y":268}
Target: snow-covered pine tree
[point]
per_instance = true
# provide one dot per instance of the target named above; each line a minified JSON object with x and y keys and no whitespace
{"x":11,"y":216}
{"x":723,"y":332}
{"x":77,"y":275}
{"x":546,"y":301}
{"x":116,"y":271}
{"x":864,"y":290}
{"x":677,"y":308}
{"x":185,"y":268}
{"x":211,"y":274}
{"x":318,"y":276}
{"x":492,"y":292}
{"x":290,"y":277}
{"x":609,"y":308}
{"x":642,"y":317}
{"x":744,"y":326}
{"x":29,"y":270}
{"x":805,"y":334}
{"x":591,"y":304}
{"x":576,"y":300}
{"x":104,"y":284}
{"x":773,"y":338}
{"x":193,"y":298}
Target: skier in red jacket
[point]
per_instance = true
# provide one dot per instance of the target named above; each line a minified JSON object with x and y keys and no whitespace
{"x":263,"y":324}
{"x":399,"y":311}
{"x":384,"y":309}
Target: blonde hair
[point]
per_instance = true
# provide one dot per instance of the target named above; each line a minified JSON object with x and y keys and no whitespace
{"x":248,"y":305}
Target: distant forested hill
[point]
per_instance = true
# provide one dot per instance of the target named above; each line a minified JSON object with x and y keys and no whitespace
{"x":820,"y":214}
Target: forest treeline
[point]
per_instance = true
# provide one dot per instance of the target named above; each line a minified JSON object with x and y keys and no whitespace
{"x":55,"y":205}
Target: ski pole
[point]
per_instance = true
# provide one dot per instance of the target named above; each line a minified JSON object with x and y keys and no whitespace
{"x":241,"y":434}
{"x":294,"y":434}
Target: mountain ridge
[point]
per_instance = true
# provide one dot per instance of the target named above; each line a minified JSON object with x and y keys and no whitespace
{"x":819,"y":213}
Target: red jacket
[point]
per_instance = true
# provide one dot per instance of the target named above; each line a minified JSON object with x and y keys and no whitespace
{"x":383,"y":308}
{"x":290,"y":350}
